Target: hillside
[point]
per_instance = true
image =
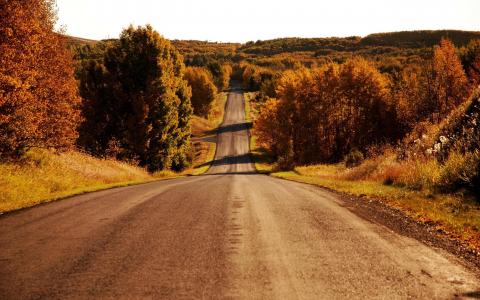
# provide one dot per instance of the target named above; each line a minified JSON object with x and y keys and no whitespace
{"x":403,"y":39}
{"x":307,"y":50}
{"x":420,"y":38}
{"x":76,"y":41}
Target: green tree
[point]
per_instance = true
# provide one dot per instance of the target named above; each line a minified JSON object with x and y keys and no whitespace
{"x":146,"y":101}
{"x":99,"y":129}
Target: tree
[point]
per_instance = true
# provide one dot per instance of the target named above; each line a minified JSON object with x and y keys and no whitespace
{"x":451,"y":84}
{"x":474,"y":70}
{"x":221,"y":75}
{"x":204,"y":91}
{"x":470,"y":56}
{"x":99,"y":131}
{"x":39,"y":102}
{"x":266,"y":125}
{"x":144,"y":100}
{"x":322,"y":114}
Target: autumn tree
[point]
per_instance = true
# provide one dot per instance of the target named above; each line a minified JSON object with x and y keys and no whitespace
{"x":474,"y":71}
{"x":138,"y":100}
{"x":470,"y":56}
{"x":221,"y":75}
{"x":204,"y":91}
{"x":39,"y":102}
{"x":266,"y":126}
{"x":451,"y":84}
{"x":324,"y":113}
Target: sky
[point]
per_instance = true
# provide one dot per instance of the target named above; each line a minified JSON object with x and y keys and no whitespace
{"x":251,"y":20}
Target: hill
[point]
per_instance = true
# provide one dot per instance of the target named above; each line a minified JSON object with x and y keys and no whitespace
{"x":76,"y":41}
{"x":403,"y":39}
{"x":420,"y":38}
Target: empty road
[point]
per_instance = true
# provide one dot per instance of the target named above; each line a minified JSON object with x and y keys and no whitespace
{"x":228,"y":234}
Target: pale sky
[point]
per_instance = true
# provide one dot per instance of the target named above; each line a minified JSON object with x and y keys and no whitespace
{"x":245,"y":20}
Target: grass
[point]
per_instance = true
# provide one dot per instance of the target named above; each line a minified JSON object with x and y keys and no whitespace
{"x":43,"y":176}
{"x":204,"y":127}
{"x":204,"y":156}
{"x":204,"y":132}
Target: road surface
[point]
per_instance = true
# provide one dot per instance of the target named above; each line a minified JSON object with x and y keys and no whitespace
{"x":228,"y":234}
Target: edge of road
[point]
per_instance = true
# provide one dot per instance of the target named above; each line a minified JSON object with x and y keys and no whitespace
{"x":113,"y":186}
{"x":210,"y":163}
{"x":377,"y":212}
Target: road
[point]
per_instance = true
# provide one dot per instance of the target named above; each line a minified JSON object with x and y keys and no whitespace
{"x":228,"y":234}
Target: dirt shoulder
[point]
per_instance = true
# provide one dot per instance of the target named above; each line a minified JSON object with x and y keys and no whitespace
{"x":377,"y":211}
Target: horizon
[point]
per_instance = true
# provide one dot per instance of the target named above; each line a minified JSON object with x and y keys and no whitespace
{"x":189,"y":20}
{"x":283,"y":37}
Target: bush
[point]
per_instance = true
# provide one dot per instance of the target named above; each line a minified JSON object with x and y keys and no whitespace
{"x":459,"y":171}
{"x":354,"y":158}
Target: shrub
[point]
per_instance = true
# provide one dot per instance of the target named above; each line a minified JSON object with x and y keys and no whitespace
{"x":459,"y":171}
{"x":353,"y":158}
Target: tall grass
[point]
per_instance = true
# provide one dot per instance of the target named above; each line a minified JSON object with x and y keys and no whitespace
{"x":43,"y":176}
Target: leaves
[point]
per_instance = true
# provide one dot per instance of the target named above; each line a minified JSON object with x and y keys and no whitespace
{"x":39,"y":104}
{"x":204,"y":91}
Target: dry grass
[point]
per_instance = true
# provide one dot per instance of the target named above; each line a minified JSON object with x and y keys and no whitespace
{"x":204,"y":132}
{"x":45,"y":176}
{"x":204,"y":155}
{"x":202,"y":127}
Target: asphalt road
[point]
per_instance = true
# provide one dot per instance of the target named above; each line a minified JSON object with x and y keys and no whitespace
{"x":228,"y":234}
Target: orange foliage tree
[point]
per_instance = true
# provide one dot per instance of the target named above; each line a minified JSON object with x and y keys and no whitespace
{"x":39,"y":102}
{"x":451,"y":84}
{"x":324,"y":113}
{"x":204,"y":91}
{"x":429,"y":91}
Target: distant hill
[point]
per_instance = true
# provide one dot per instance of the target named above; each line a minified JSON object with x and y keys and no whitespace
{"x":282,"y":45}
{"x":390,"y":50}
{"x":403,"y":39}
{"x":419,"y":39}
{"x":76,"y":41}
{"x":195,"y":47}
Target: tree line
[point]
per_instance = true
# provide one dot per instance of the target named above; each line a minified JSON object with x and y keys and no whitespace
{"x":322,"y":114}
